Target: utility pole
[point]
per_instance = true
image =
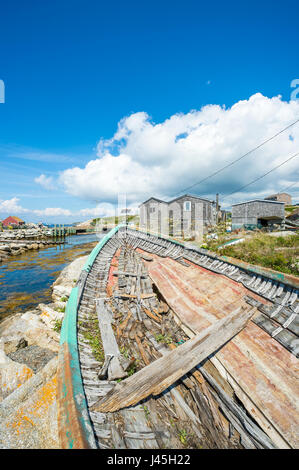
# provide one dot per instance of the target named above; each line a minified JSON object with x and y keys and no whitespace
{"x":217,"y":208}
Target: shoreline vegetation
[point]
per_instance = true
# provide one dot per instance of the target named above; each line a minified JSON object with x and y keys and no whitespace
{"x":273,"y":251}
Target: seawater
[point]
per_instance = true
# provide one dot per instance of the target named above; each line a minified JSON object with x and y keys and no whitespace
{"x":25,"y":280}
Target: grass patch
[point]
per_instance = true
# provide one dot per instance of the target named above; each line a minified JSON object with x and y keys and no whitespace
{"x":93,"y":338}
{"x":278,"y":253}
{"x":124,"y":351}
{"x":57,"y":325}
{"x":60,"y":309}
{"x":183,"y":435}
{"x":290,"y":209}
{"x":133,"y":368}
{"x":146,"y":411}
{"x":163,"y":339}
{"x":95,"y":342}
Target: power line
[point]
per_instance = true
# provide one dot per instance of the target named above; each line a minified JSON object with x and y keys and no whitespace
{"x":285,"y":189}
{"x":238,"y":159}
{"x":262,"y":176}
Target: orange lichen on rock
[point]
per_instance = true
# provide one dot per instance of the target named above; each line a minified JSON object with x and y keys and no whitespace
{"x":13,"y":376}
{"x":35,"y":410}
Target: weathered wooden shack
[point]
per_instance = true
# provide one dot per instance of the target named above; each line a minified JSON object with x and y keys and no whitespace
{"x":257,"y":214}
{"x":184,"y":216}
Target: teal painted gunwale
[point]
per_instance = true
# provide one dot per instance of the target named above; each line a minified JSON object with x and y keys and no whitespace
{"x":88,"y":265}
{"x":68,"y":338}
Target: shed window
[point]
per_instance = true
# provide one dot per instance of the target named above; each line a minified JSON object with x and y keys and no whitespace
{"x":187,"y":206}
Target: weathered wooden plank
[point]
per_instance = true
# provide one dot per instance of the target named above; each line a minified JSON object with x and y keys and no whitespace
{"x":163,"y":372}
{"x":285,"y":337}
{"x":128,"y":296}
{"x":241,"y":420}
{"x":151,"y":315}
{"x":137,"y":432}
{"x":130,"y":274}
{"x":112,"y":365}
{"x":141,"y":349}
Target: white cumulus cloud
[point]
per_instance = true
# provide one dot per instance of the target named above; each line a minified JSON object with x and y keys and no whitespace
{"x":53,"y":211}
{"x":45,"y":181}
{"x":11,"y":206}
{"x":146,"y":159}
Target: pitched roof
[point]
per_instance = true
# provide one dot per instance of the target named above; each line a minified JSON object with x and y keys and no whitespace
{"x":13,"y":219}
{"x":156,"y":199}
{"x":191,"y":195}
{"x":258,"y":200}
{"x":177,"y":198}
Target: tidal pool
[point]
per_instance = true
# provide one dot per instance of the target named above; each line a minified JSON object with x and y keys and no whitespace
{"x":25,"y":280}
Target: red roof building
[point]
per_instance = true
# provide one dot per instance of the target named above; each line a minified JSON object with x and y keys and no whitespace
{"x":13,"y":221}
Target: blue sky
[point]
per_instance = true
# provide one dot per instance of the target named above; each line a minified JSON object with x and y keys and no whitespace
{"x":73,"y":70}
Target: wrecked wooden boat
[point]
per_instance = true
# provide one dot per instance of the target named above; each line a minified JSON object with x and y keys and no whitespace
{"x":169,"y":346}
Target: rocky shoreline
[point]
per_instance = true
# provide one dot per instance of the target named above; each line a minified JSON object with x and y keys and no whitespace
{"x":16,"y":247}
{"x":23,"y":234}
{"x":29,"y":345}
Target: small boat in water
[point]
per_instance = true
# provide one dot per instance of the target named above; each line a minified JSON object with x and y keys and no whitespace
{"x":166,"y":346}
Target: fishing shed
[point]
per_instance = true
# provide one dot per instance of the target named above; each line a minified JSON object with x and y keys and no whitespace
{"x":184,"y":216}
{"x":258,"y":213}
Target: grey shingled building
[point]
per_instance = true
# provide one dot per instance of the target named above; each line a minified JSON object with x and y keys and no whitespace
{"x":280,"y":197}
{"x":184,"y":216}
{"x":257,"y":214}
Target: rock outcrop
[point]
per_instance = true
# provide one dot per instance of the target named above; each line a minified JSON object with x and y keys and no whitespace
{"x":28,"y":415}
{"x":9,"y":248}
{"x":29,"y":344}
{"x":68,"y":278}
{"x":22,"y":234}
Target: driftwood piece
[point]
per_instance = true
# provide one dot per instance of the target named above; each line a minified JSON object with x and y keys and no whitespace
{"x":162,"y":373}
{"x":138,"y":291}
